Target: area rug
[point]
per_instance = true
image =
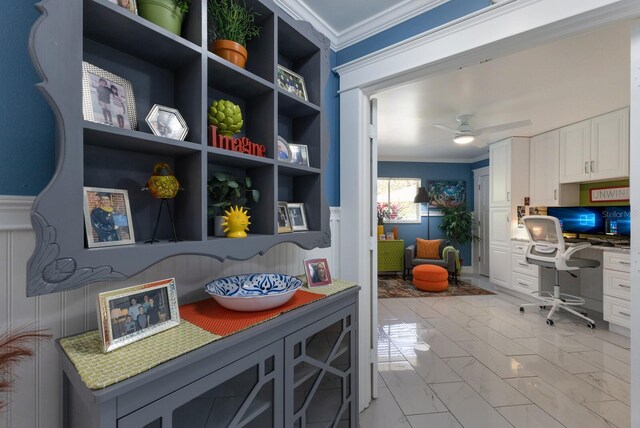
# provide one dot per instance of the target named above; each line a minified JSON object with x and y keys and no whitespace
{"x":395,"y":286}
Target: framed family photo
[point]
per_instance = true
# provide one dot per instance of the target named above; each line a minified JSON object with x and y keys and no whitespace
{"x":317,"y":271}
{"x":130,"y":5}
{"x":292,"y":82}
{"x":284,"y":152}
{"x":107,"y":98}
{"x":132,"y":313}
{"x":107,"y":217}
{"x":297,"y":216}
{"x":284,"y":222}
{"x":299,"y":154}
{"x":167,"y":122}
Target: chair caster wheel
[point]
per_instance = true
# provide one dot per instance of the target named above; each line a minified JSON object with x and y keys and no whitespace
{"x":543,"y":307}
{"x":550,"y":322}
{"x":521,"y":309}
{"x":591,"y":325}
{"x":584,"y":313}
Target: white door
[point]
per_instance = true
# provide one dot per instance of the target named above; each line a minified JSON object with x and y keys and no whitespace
{"x":610,"y":145}
{"x":500,"y":161}
{"x":544,"y":170}
{"x":483,"y":226}
{"x":373,"y":129}
{"x":575,"y":148}
{"x":499,"y":226}
{"x":500,"y":270}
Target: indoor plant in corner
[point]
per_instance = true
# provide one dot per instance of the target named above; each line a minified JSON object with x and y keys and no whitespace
{"x":230,"y":26}
{"x":168,"y":14}
{"x":226,"y":191}
{"x":458,"y":224}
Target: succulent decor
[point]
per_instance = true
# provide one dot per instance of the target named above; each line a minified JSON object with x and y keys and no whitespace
{"x":183,"y":5}
{"x":225,"y":191}
{"x":226,"y":116}
{"x":231,"y":20}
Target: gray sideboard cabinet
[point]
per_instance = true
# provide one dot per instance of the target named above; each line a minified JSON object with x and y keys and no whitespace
{"x":295,"y":371}
{"x":178,"y":72}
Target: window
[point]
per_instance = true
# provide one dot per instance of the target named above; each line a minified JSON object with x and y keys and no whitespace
{"x":395,"y":200}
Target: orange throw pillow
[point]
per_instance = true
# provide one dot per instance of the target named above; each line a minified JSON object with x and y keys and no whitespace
{"x":428,"y":249}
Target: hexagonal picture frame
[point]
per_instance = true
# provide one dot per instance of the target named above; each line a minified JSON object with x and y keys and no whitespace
{"x":167,"y":122}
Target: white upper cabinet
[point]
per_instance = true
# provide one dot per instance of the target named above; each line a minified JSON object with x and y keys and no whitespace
{"x":545,"y":169}
{"x":500,"y":173}
{"x":595,"y":149}
{"x":610,"y":145}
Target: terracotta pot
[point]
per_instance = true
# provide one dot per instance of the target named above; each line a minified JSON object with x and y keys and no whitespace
{"x":233,"y":52}
{"x":163,"y":13}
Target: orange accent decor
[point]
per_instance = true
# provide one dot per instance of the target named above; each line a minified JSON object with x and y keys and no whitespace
{"x":233,"y":52}
{"x":210,"y":316}
{"x":430,"y":278}
{"x":427,"y":249}
{"x":240,"y":145}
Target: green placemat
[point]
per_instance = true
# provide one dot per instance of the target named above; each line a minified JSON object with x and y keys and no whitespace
{"x":336,"y":286}
{"x":99,"y":370}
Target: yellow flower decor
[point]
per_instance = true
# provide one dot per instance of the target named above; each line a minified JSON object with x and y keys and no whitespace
{"x":236,"y":222}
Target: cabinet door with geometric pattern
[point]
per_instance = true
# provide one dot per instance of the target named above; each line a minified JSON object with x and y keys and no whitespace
{"x":320,"y":373}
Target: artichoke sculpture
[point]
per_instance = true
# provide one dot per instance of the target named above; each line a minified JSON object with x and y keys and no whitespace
{"x":226,"y":116}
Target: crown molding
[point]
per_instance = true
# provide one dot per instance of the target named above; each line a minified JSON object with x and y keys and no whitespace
{"x":431,"y":160}
{"x":384,"y":20}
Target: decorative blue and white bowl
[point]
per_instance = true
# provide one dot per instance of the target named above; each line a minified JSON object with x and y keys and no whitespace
{"x":253,"y":292}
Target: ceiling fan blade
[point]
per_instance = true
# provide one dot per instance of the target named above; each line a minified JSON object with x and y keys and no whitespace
{"x":503,"y":127}
{"x":446,"y":128}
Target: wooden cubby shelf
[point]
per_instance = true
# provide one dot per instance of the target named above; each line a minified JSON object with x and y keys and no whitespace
{"x":177,"y":72}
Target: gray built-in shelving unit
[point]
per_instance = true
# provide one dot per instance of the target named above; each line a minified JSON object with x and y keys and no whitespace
{"x":178,"y":72}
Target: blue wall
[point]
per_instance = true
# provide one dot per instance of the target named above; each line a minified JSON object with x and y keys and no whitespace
{"x":480,"y":164}
{"x":428,"y":171}
{"x":26,"y":121}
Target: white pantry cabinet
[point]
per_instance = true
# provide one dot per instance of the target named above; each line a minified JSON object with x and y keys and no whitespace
{"x":544,"y":176}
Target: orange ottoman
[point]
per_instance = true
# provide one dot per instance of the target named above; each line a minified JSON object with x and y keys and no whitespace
{"x":430,"y":278}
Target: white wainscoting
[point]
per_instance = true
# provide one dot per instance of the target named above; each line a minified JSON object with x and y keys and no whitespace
{"x":36,"y":398}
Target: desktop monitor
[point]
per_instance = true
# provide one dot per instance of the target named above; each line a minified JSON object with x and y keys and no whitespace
{"x":617,"y":221}
{"x":587,"y":220}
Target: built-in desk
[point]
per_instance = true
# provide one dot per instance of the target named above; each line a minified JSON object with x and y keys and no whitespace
{"x":606,"y":289}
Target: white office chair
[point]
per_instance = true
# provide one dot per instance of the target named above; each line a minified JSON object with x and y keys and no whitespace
{"x":547,"y":248}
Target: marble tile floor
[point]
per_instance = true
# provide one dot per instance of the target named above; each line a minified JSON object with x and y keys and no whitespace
{"x":476,"y":362}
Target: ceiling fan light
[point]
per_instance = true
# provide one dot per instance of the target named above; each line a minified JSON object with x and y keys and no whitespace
{"x":463,"y":139}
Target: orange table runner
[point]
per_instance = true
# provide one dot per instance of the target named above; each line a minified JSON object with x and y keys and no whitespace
{"x":210,"y":316}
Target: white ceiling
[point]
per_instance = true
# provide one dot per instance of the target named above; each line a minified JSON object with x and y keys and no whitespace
{"x":552,"y":85}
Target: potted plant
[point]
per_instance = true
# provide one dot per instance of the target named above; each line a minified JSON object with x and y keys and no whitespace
{"x":225,"y":191}
{"x":230,"y":26}
{"x":168,"y":14}
{"x":458,"y":224}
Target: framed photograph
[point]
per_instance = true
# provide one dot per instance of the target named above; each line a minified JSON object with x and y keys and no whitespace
{"x":284,"y":152}
{"x":292,"y":82}
{"x":107,"y":217}
{"x":297,"y":216}
{"x":167,"y":122}
{"x":299,"y":154}
{"x":130,"y":314}
{"x":284,"y":222}
{"x":107,"y":98}
{"x":130,"y":5}
{"x":317,"y":271}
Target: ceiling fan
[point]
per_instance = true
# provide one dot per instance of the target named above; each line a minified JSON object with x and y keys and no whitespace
{"x":466,"y":134}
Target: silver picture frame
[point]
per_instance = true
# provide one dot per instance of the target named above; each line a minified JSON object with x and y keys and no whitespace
{"x":292,"y":82}
{"x":297,"y":216}
{"x":111,"y":225}
{"x":113,"y":107}
{"x":299,"y":154}
{"x":117,"y":330}
{"x":167,"y":122}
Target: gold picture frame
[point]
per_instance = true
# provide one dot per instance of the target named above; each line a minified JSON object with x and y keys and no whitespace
{"x":156,"y":304}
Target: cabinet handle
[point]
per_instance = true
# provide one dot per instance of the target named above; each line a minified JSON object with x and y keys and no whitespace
{"x":625,"y":263}
{"x":624,"y":313}
{"x":586,"y":167}
{"x":624,"y":286}
{"x":555,"y":194}
{"x":508,"y":196}
{"x":592,"y":162}
{"x":523,"y":264}
{"x":523,"y":284}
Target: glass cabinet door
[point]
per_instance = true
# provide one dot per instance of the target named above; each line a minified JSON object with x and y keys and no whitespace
{"x":319,"y":374}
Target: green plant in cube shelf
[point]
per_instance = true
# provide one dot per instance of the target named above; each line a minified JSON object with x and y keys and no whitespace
{"x":231,"y":20}
{"x":226,"y":116}
{"x":225,"y":191}
{"x":458,"y":224}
